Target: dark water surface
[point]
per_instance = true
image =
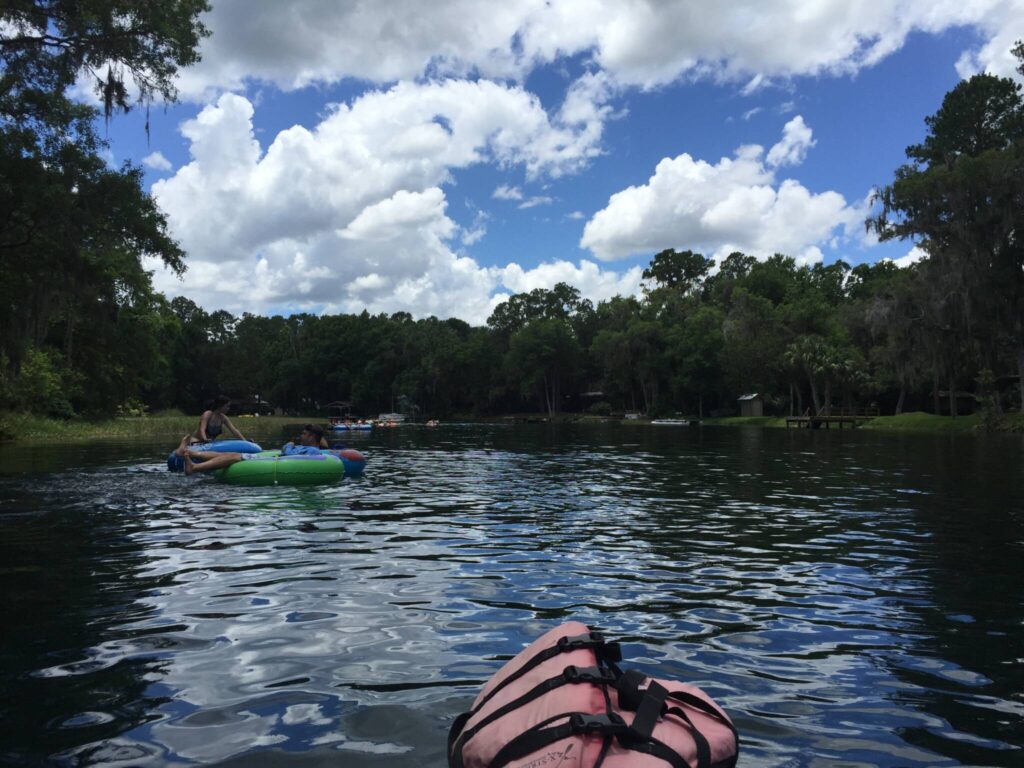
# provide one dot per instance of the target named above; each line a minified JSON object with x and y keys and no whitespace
{"x":852,"y":599}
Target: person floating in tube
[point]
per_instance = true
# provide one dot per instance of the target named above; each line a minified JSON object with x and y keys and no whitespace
{"x":309,"y":445}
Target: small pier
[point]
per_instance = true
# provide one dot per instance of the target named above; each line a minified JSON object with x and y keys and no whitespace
{"x":827,"y":418}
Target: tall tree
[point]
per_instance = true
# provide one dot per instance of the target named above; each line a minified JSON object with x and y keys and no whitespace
{"x":682,"y":271}
{"x":543,"y":358}
{"x":73,"y":232}
{"x":962,"y":198}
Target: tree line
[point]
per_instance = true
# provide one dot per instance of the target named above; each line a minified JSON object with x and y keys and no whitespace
{"x":82,"y":331}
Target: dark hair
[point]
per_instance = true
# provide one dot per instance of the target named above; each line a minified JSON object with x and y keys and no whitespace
{"x":220,"y":401}
{"x":315,"y":431}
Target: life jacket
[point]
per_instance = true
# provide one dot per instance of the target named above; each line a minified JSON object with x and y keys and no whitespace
{"x":564,"y":703}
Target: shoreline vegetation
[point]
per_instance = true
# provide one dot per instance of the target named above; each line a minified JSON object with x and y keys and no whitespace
{"x":33,"y":428}
{"x":83,"y":330}
{"x":916,"y":421}
{"x":30,"y":428}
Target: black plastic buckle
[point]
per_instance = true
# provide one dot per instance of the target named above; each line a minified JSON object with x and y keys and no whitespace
{"x":574,"y":674}
{"x":611,"y":724}
{"x":586,"y":640}
{"x":610,"y":652}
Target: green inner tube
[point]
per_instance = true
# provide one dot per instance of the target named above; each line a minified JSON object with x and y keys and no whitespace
{"x":270,"y":468}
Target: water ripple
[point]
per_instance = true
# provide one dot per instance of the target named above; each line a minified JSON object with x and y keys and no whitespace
{"x":817,"y":585}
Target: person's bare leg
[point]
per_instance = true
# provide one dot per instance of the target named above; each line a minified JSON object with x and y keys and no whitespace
{"x":182,"y":448}
{"x":211,"y":460}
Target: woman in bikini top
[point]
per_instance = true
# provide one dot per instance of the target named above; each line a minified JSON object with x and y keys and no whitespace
{"x":213,"y":421}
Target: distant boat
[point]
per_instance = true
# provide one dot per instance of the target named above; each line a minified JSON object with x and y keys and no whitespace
{"x":672,"y":422}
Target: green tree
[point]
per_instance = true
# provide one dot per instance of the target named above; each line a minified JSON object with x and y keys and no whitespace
{"x":543,"y":357}
{"x":74,"y":232}
{"x":962,"y":198}
{"x":693,"y":351}
{"x":46,"y":44}
{"x":753,"y":342}
{"x":681,"y":271}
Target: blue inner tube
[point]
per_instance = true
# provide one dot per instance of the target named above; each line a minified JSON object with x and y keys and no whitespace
{"x":176,"y":463}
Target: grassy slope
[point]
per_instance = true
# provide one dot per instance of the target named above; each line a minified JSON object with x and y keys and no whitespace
{"x":925,"y":422}
{"x":905,"y":422}
{"x":31,"y":428}
{"x":746,"y":421}
{"x":929,"y":422}
{"x":38,"y":428}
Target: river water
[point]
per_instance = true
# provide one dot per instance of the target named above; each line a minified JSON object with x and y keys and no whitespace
{"x":851,"y":598}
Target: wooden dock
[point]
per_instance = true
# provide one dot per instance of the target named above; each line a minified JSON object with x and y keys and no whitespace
{"x":848,"y":418}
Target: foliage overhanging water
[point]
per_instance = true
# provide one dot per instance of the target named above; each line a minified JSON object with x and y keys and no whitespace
{"x":847,"y":597}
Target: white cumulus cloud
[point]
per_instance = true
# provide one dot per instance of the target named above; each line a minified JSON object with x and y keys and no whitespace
{"x":592,"y":281}
{"x":913,"y":256}
{"x":157,"y":162}
{"x":352,"y":214}
{"x":644,"y":43}
{"x":792,"y":149}
{"x":734,"y":204}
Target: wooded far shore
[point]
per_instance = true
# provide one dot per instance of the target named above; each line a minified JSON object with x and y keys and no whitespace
{"x":24,"y":428}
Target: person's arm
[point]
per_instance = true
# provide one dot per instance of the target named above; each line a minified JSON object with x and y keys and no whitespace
{"x":203,"y":421}
{"x":227,"y":422}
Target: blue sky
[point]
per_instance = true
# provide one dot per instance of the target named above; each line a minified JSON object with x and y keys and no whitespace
{"x":391,"y":157}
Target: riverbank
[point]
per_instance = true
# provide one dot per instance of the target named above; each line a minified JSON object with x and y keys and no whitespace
{"x":905,"y":422}
{"x":29,"y":428}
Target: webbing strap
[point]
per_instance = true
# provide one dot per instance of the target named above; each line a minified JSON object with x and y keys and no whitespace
{"x":636,"y":692}
{"x":650,"y":709}
{"x":704,"y":707}
{"x":579,"y":724}
{"x":453,"y":734}
{"x":564,"y":645}
{"x":701,"y":743}
{"x":698,"y":703}
{"x":540,"y":736}
{"x":655,"y":748}
{"x":647,"y":696}
{"x":571,"y":674}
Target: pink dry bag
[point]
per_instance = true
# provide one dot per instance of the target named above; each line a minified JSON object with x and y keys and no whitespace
{"x":564,"y":703}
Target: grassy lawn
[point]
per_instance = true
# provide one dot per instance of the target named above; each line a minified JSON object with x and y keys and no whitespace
{"x":23,"y":427}
{"x":925,"y":422}
{"x":28,"y":428}
{"x":929,"y":422}
{"x":746,"y":421}
{"x":905,"y":422}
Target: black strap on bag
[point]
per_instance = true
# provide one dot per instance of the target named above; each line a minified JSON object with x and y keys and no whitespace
{"x":607,"y":654}
{"x":704,"y":707}
{"x":453,"y":735}
{"x":611,"y":726}
{"x":541,"y":735}
{"x":636,"y":692}
{"x":571,"y":675}
{"x":649,"y":703}
{"x":604,"y":651}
